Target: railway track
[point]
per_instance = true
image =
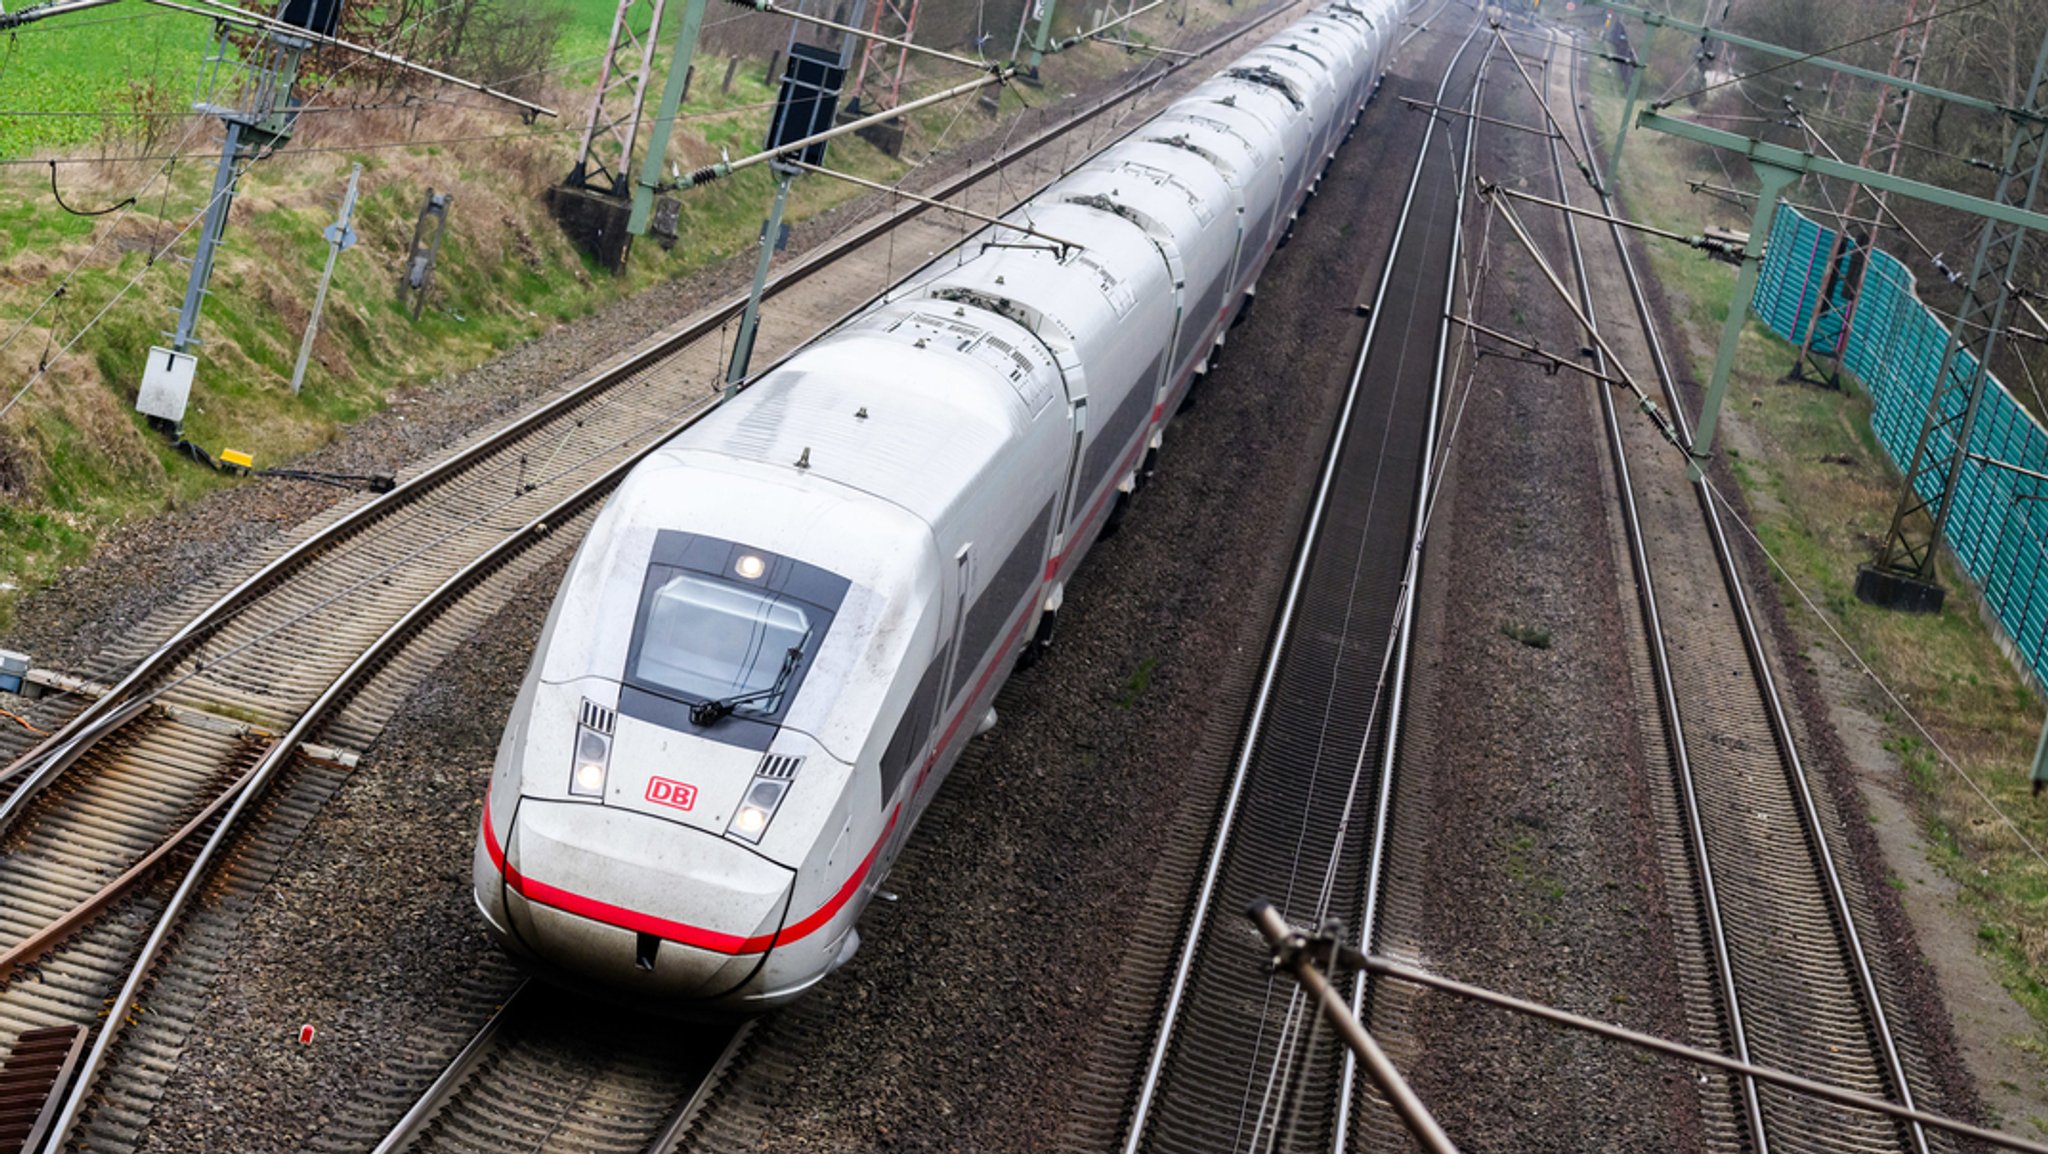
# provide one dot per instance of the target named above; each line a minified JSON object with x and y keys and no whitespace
{"x":1234,"y":1063}
{"x":1782,"y":976}
{"x":112,"y":826}
{"x":536,"y":1077}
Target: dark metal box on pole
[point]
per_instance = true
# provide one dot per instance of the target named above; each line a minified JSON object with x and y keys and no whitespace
{"x":810,"y":98}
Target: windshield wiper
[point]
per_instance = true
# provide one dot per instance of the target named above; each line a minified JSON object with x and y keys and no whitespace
{"x":709,"y":712}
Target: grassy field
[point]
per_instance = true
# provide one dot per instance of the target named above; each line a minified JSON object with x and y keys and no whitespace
{"x":77,"y":81}
{"x":63,"y":78}
{"x":1822,"y":491}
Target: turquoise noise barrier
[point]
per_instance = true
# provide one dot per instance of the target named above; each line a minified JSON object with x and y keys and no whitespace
{"x":1893,"y":343}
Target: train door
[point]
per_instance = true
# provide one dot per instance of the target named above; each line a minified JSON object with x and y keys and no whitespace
{"x":1069,"y":498}
{"x":954,"y":731}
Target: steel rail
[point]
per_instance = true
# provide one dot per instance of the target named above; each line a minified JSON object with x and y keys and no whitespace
{"x":442,"y":1092}
{"x":1660,"y":661}
{"x":1398,"y":971}
{"x":1403,"y":639}
{"x":49,"y":758}
{"x":1423,"y":24}
{"x":1220,"y":841}
{"x":80,"y":914}
{"x":280,"y":753}
{"x":451,"y":1076}
{"x":75,"y":918}
{"x":447,"y":1087}
{"x":1767,"y":683}
{"x":678,"y":1127}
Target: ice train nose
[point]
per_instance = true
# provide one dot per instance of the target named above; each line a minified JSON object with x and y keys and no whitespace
{"x":638,"y":903}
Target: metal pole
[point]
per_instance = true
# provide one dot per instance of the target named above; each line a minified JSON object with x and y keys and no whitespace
{"x":1764,"y":152}
{"x":1557,"y":130}
{"x":1042,"y":38}
{"x":1979,"y":323}
{"x":903,"y":58}
{"x":1654,"y":19}
{"x":640,"y":78}
{"x":35,"y":12}
{"x":1798,"y":1084}
{"x":339,"y":236}
{"x":1291,"y":951}
{"x":725,"y":168}
{"x":665,"y":119}
{"x":1023,"y":22}
{"x":596,"y":119}
{"x":1885,"y":135}
{"x":1635,"y":89}
{"x":1775,"y":181}
{"x":209,"y":237}
{"x":743,"y":348}
{"x":2041,"y":761}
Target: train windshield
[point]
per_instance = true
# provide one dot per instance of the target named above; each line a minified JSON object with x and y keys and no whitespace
{"x":701,"y":637}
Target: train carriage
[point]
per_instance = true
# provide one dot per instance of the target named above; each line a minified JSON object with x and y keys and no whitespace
{"x":790,"y":619}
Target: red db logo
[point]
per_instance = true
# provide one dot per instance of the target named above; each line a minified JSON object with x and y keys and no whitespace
{"x":674,"y":794}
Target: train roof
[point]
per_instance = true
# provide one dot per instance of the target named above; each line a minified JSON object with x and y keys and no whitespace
{"x":909,"y":404}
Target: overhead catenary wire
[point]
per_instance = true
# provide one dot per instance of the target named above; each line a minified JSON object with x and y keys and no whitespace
{"x":894,"y":190}
{"x":42,"y":370}
{"x":69,"y":25}
{"x":1400,"y":971}
{"x":222,"y":11}
{"x":1897,"y":700}
{"x":125,"y":999}
{"x":406,"y":103}
{"x":1916,"y":146}
{"x":771,"y":8}
{"x":1810,"y":57}
{"x":1715,"y":501}
{"x":99,"y":242}
{"x":1235,"y":799}
{"x":1300,"y":1017}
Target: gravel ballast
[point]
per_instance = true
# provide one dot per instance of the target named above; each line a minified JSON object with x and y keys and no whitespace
{"x":973,"y":1001}
{"x":1520,"y":798}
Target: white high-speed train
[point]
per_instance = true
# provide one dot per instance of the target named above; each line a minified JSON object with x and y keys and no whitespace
{"x":788,"y":621}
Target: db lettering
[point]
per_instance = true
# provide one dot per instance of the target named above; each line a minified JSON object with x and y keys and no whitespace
{"x":674,"y":794}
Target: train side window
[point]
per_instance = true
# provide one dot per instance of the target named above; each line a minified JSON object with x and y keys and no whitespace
{"x":908,"y":742}
{"x":1014,"y":578}
{"x":1117,"y":432}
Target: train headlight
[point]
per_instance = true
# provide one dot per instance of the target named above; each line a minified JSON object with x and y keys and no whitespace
{"x":593,"y":755}
{"x":758,"y":808}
